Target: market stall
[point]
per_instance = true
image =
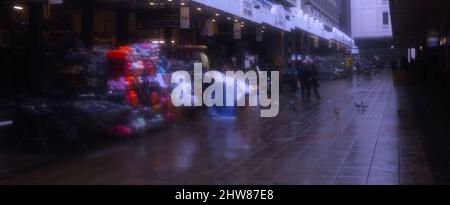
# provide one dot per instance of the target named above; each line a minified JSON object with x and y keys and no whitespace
{"x":137,"y":75}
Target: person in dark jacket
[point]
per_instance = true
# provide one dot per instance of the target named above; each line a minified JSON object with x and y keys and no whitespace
{"x":313,"y":81}
{"x":358,"y":66}
{"x":303,"y":77}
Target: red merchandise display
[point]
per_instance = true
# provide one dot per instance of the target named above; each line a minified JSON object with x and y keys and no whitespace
{"x":135,"y":72}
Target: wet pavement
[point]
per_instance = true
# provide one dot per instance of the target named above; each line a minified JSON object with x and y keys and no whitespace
{"x":327,"y":142}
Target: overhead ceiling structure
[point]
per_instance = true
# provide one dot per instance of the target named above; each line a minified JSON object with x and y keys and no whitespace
{"x":412,"y":20}
{"x":261,"y":12}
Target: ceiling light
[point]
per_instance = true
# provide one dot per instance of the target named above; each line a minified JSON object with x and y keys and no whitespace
{"x":18,"y":7}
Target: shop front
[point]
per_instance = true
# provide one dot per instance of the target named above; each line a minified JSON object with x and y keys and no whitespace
{"x":102,"y":68}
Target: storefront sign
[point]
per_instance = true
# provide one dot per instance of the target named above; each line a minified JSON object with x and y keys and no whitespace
{"x":237,"y":30}
{"x":185,"y":20}
{"x":157,"y":18}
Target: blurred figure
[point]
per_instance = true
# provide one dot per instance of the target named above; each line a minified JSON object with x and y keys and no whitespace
{"x":291,"y":77}
{"x":302,"y":76}
{"x":348,"y":66}
{"x":395,"y":73}
{"x":358,"y":66}
{"x":367,"y":68}
{"x":313,"y":80}
{"x":379,"y":64}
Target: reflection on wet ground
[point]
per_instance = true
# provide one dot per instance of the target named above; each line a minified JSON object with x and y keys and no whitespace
{"x":327,"y":142}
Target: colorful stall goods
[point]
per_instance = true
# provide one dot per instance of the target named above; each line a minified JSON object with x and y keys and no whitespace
{"x":138,"y":73}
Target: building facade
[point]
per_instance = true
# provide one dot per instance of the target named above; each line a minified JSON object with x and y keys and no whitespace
{"x":371,"y":27}
{"x":333,"y":13}
{"x":345,"y":17}
{"x":371,"y":19}
{"x":326,"y":11}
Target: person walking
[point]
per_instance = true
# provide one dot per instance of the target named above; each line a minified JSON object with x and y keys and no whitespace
{"x":378,"y":63}
{"x":313,"y":80}
{"x":302,"y":75}
{"x":348,"y":66}
{"x":358,"y":67}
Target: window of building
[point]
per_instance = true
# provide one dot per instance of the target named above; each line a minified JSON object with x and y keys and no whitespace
{"x":385,"y":18}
